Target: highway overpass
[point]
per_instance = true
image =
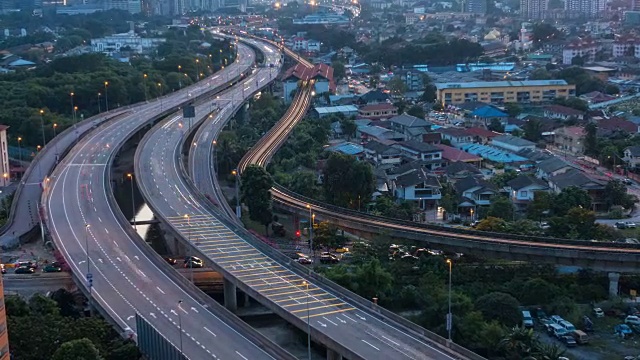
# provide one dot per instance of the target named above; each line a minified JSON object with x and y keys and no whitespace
{"x":128,"y":277}
{"x":347,"y":325}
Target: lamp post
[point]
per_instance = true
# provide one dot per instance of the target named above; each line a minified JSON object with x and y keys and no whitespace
{"x":44,"y":140}
{"x":106,"y":96}
{"x":197,"y":69}
{"x":238,"y":209}
{"x":186,"y":216}
{"x":311,"y":218}
{"x":180,"y":327}
{"x":88,"y":276}
{"x":55,"y":143}
{"x":215,"y":157}
{"x":449,"y":315}
{"x":160,"y":95}
{"x":144,"y":84}
{"x":180,"y":77}
{"x":73,"y":112}
{"x":99,"y":109}
{"x":306,"y":284}
{"x":133,"y":201}
{"x":20,"y":153}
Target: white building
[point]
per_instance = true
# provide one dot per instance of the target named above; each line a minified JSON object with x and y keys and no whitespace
{"x":112,"y":44}
{"x":626,"y":46}
{"x":585,"y":48}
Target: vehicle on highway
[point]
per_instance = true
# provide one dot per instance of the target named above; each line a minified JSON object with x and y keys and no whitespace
{"x":598,"y":312}
{"x":54,"y":267}
{"x":171,"y":261}
{"x":24,"y":270}
{"x":305,"y":261}
{"x":568,"y":341}
{"x":341,"y":250}
{"x":623,"y":330}
{"x":632,"y":320}
{"x":31,"y":264}
{"x":627,"y":181}
{"x":329,"y":259}
{"x":193,"y":265}
{"x":193,"y":259}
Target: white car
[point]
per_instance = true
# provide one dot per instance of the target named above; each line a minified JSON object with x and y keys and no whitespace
{"x":632,"y":320}
{"x":598,"y":312}
{"x":630,"y":225}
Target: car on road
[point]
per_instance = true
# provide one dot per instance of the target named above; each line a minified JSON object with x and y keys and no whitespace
{"x":193,"y":265}
{"x":623,"y":330}
{"x":193,"y":259}
{"x":171,"y":261}
{"x":2,"y":269}
{"x":598,"y":312}
{"x":54,"y":267}
{"x":31,"y":264}
{"x":568,"y":341}
{"x":621,"y":225}
{"x":341,"y":250}
{"x":24,"y":270}
{"x":627,"y":181}
{"x":329,"y":259}
{"x":305,"y":261}
{"x":630,"y":225}
{"x":632,"y":320}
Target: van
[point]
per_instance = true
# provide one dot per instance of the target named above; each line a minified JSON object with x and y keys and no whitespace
{"x":527,"y":321}
{"x":567,"y":325}
{"x":557,"y":330}
{"x":580,"y":336}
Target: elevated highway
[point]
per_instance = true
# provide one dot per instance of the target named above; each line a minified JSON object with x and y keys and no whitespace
{"x":128,"y":277}
{"x":348,"y":325}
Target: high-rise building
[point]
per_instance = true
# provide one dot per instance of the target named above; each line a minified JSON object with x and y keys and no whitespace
{"x":4,"y":336}
{"x":533,"y":9}
{"x":132,"y":6}
{"x":476,"y":6}
{"x":587,"y":8}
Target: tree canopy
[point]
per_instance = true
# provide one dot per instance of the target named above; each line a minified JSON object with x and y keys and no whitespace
{"x":347,"y":181}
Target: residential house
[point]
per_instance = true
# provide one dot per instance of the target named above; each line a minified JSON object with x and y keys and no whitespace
{"x":322,"y":74}
{"x":474,"y":192}
{"x":459,"y":170}
{"x":480,"y":135}
{"x":577,"y":178}
{"x":512,"y":143}
{"x":382,"y":154}
{"x":632,"y":156}
{"x":371,"y":132}
{"x":348,"y":148}
{"x":374,"y":97}
{"x":523,"y":189}
{"x":432,"y":138}
{"x":412,"y":127}
{"x":570,"y":139}
{"x":615,"y":126}
{"x":456,"y":136}
{"x":418,"y":186}
{"x":585,"y":48}
{"x":415,"y":150}
{"x":451,"y":154}
{"x":381,"y":111}
{"x":562,"y":112}
{"x":552,"y":167}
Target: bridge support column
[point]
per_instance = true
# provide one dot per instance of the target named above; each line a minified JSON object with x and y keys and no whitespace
{"x":613,"y":284}
{"x":230,"y":300}
{"x":333,"y":355}
{"x":246,"y":299}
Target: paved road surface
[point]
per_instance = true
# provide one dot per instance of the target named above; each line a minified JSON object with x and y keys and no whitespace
{"x":124,"y":280}
{"x":162,"y":184}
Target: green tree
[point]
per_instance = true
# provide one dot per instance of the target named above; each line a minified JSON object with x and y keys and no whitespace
{"x":304,"y":183}
{"x":349,"y":128}
{"x":540,"y":74}
{"x":491,"y":223}
{"x":338,"y":69}
{"x":496,"y":125}
{"x":615,"y":193}
{"x":255,"y":186}
{"x":417,"y":111}
{"x":520,"y":343}
{"x":501,"y":207}
{"x":548,"y":351}
{"x":501,"y":180}
{"x":347,"y":181}
{"x":325,"y":236}
{"x":538,"y":291}
{"x":512,"y":109}
{"x":568,"y":198}
{"x":532,"y":130}
{"x":80,"y":349}
{"x":397,"y":86}
{"x":372,"y":280}
{"x":498,"y":306}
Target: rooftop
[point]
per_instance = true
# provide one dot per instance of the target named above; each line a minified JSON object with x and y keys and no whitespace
{"x":497,"y":84}
{"x":492,"y":153}
{"x":512,"y":140}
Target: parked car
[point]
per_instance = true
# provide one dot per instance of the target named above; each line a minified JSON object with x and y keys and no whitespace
{"x":2,"y":269}
{"x":568,"y":341}
{"x":632,"y":320}
{"x":341,"y":250}
{"x":24,"y":270}
{"x":630,"y":225}
{"x":52,"y":268}
{"x":304,"y":261}
{"x":598,"y":312}
{"x":621,"y":225}
{"x":627,"y":181}
{"x":31,"y":264}
{"x":623,"y":330}
{"x":329,"y":259}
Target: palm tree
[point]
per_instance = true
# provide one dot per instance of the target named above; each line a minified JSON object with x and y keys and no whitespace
{"x":548,"y":352}
{"x":519,"y":343}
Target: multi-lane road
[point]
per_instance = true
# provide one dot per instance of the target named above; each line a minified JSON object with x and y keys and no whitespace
{"x":287,"y":292}
{"x":85,"y":227}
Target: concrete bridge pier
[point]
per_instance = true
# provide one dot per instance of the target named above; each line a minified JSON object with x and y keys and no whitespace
{"x":333,"y":355}
{"x":614,"y":277}
{"x":230,"y":299}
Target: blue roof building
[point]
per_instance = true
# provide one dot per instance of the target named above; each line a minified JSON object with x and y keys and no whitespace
{"x":492,"y":154}
{"x":488,"y":111}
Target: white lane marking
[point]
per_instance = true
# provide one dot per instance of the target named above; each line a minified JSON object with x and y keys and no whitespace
{"x":194,"y":310}
{"x":322,"y":324}
{"x":183,"y":310}
{"x":107,"y":231}
{"x":130,"y":317}
{"x":154,"y":316}
{"x":210,"y":332}
{"x":361,"y":317}
{"x":365,"y":341}
{"x":160,"y":290}
{"x":242,"y":356}
{"x":391,"y":341}
{"x":324,"y":317}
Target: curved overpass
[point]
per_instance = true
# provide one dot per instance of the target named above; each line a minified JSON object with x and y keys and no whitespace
{"x":340,"y":320}
{"x":128,"y":278}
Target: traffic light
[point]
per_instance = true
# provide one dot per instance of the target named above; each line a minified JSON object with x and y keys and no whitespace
{"x":297,"y":233}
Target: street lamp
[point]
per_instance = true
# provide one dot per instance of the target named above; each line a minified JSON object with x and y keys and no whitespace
{"x":88,"y":276}
{"x":215,"y":157}
{"x":44,"y":140}
{"x":186,"y":216}
{"x":449,"y":315}
{"x":311,"y":218}
{"x":133,"y":202}
{"x":197,"y":69}
{"x":73,"y":112}
{"x":180,"y":77}
{"x":144,"y":84}
{"x":180,"y":326}
{"x":306,"y":284}
{"x":106,"y":96}
{"x":99,"y":109}
{"x":20,"y":153}
{"x":235,"y":173}
{"x":55,"y":143}
{"x":160,"y":95}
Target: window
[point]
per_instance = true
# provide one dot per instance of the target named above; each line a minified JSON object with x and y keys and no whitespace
{"x":524,"y":194}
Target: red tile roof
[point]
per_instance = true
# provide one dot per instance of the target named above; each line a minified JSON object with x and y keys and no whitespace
{"x":373,"y":107}
{"x":302,"y":72}
{"x":476,"y":131}
{"x":453,"y":154}
{"x":617,"y":123}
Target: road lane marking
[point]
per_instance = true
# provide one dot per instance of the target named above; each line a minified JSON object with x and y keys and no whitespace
{"x":365,"y":341}
{"x":242,"y":356}
{"x":391,"y":341}
{"x":320,"y":307}
{"x":334,"y":312}
{"x":160,"y":290}
{"x":210,"y":332}
{"x":324,"y":317}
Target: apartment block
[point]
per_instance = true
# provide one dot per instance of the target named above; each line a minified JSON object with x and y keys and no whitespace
{"x":500,"y":92}
{"x":584,"y":47}
{"x":626,"y":46}
{"x":533,"y":9}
